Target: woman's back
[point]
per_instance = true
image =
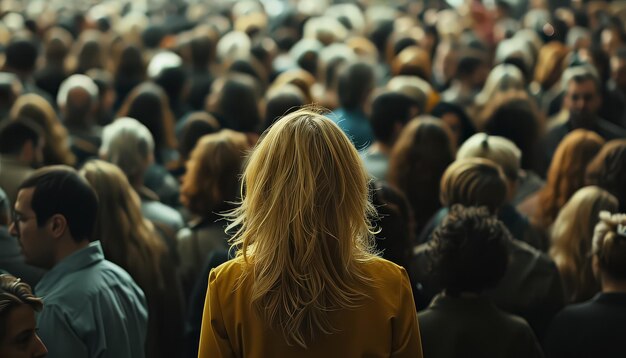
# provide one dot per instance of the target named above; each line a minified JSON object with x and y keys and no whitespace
{"x":384,"y":324}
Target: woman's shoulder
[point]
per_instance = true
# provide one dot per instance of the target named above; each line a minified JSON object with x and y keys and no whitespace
{"x":385,"y":271}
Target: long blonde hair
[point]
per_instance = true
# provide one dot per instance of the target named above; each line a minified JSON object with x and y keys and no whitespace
{"x":128,"y":239}
{"x":571,"y":240}
{"x":303,"y":226}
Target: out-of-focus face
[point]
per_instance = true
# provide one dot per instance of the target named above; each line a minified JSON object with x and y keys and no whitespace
{"x":36,"y":243}
{"x":582,"y":98}
{"x":20,"y":339}
{"x":618,"y":72}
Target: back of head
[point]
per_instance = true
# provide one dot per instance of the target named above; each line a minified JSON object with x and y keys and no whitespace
{"x":60,"y":190}
{"x":500,"y":150}
{"x":15,"y":134}
{"x":212,"y":173}
{"x":356,"y":81}
{"x":21,"y":55}
{"x":567,"y":171}
{"x":13,"y":293}
{"x":469,"y":250}
{"x":198,"y":124}
{"x":608,"y":170}
{"x":77,"y":94}
{"x":321,"y":231}
{"x":474,"y":182}
{"x":238,"y":103}
{"x":609,"y":245}
{"x":282,"y":102}
{"x":390,"y":109}
{"x":129,"y":145}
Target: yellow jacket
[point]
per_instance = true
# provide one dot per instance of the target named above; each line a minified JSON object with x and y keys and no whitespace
{"x":385,"y":325}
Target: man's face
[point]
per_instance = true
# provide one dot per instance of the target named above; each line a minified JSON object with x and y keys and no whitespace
{"x":582,"y":98}
{"x":36,"y":242}
{"x":20,"y":337}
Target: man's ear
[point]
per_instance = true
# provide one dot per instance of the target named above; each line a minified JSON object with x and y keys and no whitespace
{"x":58,"y":225}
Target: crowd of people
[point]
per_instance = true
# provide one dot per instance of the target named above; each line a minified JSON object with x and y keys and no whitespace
{"x":312,"y":178}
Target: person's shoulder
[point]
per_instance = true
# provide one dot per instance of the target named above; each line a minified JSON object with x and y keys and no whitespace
{"x":384,"y":270}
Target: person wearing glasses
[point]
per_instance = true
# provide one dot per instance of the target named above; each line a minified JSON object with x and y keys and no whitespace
{"x":93,"y":307}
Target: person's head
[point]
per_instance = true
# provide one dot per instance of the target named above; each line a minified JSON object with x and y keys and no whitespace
{"x":550,"y":64}
{"x":513,"y":115}
{"x":18,"y":328}
{"x":55,"y":209}
{"x":36,"y":108}
{"x":582,"y":96}
{"x":567,"y":172}
{"x":130,"y":65}
{"x":412,"y":61}
{"x":235,"y":101}
{"x":129,"y":145}
{"x":608,"y":170}
{"x":469,"y":250}
{"x":166,"y":70}
{"x":89,"y":51}
{"x":609,"y":248}
{"x":419,"y":157}
{"x":355,"y":83}
{"x":22,"y":139}
{"x":198,"y":125}
{"x":77,"y":98}
{"x":282,"y":101}
{"x":457,"y":119}
{"x":21,"y":56}
{"x":571,"y":237}
{"x":211,"y":180}
{"x":148,"y":104}
{"x":320,"y":230}
{"x":474,"y":182}
{"x":57,"y":45}
{"x":127,"y":238}
{"x":502,"y":78}
{"x":500,"y":150}
{"x":390,"y":112}
{"x":472,"y":70}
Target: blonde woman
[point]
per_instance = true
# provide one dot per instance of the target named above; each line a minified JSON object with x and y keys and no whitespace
{"x":596,"y":328}
{"x":130,"y":240}
{"x":571,"y":240}
{"x":305,"y":281}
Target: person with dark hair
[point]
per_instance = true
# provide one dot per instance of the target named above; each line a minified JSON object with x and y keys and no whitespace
{"x":166,"y":70}
{"x":93,"y":307}
{"x":469,"y":256}
{"x":582,"y":102}
{"x":234,"y":101}
{"x":20,"y":59}
{"x":129,"y":73}
{"x":355,"y":84}
{"x":18,"y":331}
{"x":595,"y":328}
{"x":57,"y":44}
{"x":21,"y":150}
{"x":457,"y":119}
{"x":531,"y":287}
{"x":470,"y":75}
{"x":608,"y":170}
{"x":390,"y":112}
{"x":282,"y":101}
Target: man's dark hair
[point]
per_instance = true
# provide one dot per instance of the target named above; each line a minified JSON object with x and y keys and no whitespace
{"x":355,"y":82}
{"x":60,"y":190}
{"x":468,"y":64}
{"x":389,"y":108}
{"x":14,"y":134}
{"x":21,"y":55}
{"x":469,"y":250}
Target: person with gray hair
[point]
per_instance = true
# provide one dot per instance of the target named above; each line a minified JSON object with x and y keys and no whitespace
{"x":582,"y":102}
{"x":78,"y":99}
{"x":129,"y":145}
{"x":18,"y":331}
